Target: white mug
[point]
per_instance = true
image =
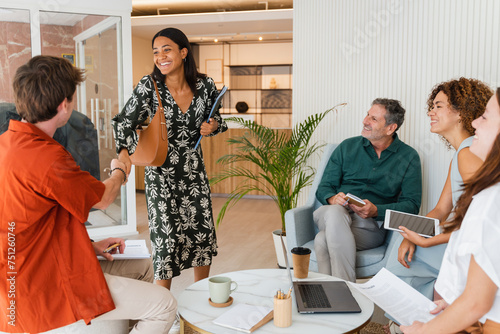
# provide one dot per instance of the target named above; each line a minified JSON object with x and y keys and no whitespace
{"x":220,"y":289}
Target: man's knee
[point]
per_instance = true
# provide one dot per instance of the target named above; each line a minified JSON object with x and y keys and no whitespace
{"x":167,"y":304}
{"x":147,"y":270}
{"x":331,"y":215}
{"x":320,"y":245}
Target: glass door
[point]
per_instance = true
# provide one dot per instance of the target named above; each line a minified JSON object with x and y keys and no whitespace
{"x":100,"y":97}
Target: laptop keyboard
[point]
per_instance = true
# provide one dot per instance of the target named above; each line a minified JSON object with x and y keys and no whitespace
{"x":314,"y":296}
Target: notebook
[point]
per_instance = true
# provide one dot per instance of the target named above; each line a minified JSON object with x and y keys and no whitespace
{"x":321,"y":296}
{"x":216,"y":105}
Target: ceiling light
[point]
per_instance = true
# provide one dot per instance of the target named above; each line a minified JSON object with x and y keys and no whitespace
{"x":260,"y":38}
{"x":216,"y":40}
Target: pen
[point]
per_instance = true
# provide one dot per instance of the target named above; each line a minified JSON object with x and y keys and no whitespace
{"x":289,"y":293}
{"x":107,"y":250}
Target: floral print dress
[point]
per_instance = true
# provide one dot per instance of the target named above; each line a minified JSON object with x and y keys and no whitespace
{"x":178,"y":193}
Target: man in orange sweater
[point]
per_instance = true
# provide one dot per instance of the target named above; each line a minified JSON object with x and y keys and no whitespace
{"x":50,"y":273}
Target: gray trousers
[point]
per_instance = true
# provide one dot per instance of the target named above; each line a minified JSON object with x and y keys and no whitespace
{"x":341,"y":233}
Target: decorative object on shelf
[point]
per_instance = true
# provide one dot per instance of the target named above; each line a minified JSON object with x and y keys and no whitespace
{"x":281,"y":161}
{"x":242,"y":107}
{"x":272,"y":84}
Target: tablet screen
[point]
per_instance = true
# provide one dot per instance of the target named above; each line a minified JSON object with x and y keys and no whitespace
{"x":419,"y":224}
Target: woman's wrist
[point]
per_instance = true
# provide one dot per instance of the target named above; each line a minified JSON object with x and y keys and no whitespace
{"x":123,"y":151}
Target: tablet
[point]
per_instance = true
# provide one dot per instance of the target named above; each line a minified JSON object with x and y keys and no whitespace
{"x":424,"y":226}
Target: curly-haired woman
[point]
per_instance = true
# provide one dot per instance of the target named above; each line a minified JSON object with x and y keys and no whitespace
{"x":452,"y":106}
{"x":470,"y":274}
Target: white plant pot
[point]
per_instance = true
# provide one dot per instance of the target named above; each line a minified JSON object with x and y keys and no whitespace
{"x":279,"y":248}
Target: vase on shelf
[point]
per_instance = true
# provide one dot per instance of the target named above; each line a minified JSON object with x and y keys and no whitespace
{"x":272,"y":84}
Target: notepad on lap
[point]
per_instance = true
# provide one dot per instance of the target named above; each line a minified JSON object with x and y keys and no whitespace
{"x":134,"y":249}
{"x":245,"y":317}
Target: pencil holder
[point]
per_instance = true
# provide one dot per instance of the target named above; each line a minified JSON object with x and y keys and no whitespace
{"x":282,"y":312}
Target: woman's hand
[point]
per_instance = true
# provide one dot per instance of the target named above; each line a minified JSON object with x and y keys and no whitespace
{"x":414,"y":237}
{"x":406,"y":247}
{"x":102,"y":245}
{"x":415,"y":328}
{"x":440,"y":306}
{"x":125,"y":159}
{"x":208,"y":128}
{"x":419,"y":327}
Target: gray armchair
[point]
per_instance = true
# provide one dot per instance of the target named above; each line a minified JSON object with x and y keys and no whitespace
{"x":300,"y":229}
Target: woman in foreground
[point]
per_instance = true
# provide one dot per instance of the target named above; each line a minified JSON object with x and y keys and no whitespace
{"x":470,"y":274}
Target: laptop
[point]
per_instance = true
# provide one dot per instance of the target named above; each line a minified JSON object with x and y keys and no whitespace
{"x":321,"y":296}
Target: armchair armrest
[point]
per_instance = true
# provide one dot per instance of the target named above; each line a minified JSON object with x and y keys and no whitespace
{"x":299,"y":226}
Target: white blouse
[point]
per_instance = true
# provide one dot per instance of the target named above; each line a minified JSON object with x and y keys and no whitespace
{"x":479,"y":235}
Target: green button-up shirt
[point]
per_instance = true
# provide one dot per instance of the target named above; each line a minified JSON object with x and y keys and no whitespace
{"x":393,"y":181}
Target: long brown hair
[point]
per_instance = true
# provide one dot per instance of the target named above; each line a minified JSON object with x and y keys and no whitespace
{"x":487,"y":175}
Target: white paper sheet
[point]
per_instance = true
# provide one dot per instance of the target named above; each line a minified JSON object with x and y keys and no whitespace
{"x":397,"y":298}
{"x":242,"y":317}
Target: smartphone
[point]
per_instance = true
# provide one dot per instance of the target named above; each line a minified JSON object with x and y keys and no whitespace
{"x":424,"y":226}
{"x":352,"y":199}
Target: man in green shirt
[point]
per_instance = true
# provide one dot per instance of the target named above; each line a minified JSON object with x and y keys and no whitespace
{"x":376,"y":167}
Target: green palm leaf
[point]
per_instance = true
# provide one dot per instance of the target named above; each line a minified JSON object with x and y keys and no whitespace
{"x":281,"y":158}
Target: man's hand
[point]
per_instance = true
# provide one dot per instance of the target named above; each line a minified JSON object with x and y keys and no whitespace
{"x":208,"y":128}
{"x":339,"y":199}
{"x":406,"y":247}
{"x":367,"y":211}
{"x":100,"y":246}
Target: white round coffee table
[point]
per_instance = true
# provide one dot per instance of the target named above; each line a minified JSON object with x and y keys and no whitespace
{"x":257,"y":287}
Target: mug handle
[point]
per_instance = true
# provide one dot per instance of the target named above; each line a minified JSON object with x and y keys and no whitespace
{"x":235,"y":285}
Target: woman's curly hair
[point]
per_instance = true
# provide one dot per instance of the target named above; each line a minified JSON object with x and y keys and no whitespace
{"x":466,"y":96}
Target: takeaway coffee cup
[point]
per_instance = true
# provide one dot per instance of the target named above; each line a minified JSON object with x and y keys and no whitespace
{"x":300,"y":256}
{"x":220,"y":289}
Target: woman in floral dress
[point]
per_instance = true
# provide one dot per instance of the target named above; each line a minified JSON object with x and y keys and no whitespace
{"x":177,"y":193}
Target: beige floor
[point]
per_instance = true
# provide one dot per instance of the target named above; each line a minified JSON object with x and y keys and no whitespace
{"x":244,"y":239}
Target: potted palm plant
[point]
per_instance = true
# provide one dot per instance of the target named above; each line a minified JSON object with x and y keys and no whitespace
{"x":281,"y":160}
